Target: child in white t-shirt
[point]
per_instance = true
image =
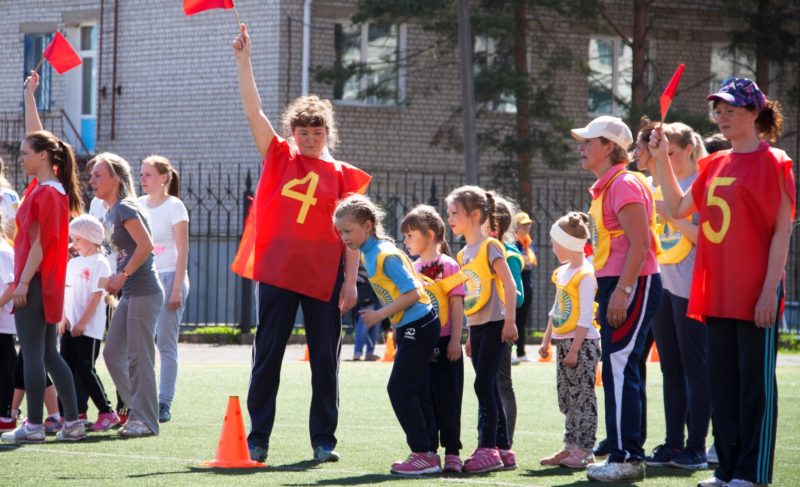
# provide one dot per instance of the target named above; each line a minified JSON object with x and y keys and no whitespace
{"x":84,"y":322}
{"x":8,"y":352}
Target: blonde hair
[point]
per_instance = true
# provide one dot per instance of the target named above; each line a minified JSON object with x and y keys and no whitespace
{"x":310,"y":111}
{"x":361,"y":209}
{"x":162,"y":165}
{"x":683,"y":136}
{"x":425,"y":218}
{"x":120,"y":168}
{"x":473,"y":198}
{"x":575,"y":223}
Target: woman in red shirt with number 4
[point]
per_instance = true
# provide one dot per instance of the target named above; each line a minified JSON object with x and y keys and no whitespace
{"x":290,"y":246}
{"x":746,"y":200}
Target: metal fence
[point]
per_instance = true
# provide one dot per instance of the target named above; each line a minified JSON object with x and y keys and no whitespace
{"x":216,"y":202}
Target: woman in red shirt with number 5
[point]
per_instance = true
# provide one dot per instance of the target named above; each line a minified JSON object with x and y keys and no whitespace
{"x":746,"y":201}
{"x":290,"y":246}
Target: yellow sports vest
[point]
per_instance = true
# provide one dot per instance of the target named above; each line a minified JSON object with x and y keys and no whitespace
{"x":675,"y":246}
{"x":438,"y":292}
{"x":567,"y":307}
{"x":385,"y":289}
{"x":600,"y":236}
{"x":480,"y":277}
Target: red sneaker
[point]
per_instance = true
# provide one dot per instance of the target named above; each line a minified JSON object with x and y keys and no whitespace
{"x":8,"y":424}
{"x":123,"y":417}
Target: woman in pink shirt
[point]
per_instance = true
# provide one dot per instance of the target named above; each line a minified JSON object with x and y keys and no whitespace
{"x":628,"y":288}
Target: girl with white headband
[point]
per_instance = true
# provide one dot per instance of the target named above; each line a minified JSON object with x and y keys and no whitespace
{"x":573,"y":330}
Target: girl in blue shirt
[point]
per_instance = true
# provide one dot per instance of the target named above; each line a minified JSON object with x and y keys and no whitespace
{"x":407,"y":306}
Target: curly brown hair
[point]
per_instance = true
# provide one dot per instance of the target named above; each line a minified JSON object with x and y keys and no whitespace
{"x":310,"y":111}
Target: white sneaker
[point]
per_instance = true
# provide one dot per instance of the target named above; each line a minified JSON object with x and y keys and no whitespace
{"x":524,"y":358}
{"x":743,"y":483}
{"x":711,"y":455}
{"x":75,"y":432}
{"x":711,"y":482}
{"x":135,"y":429}
{"x":27,"y":433}
{"x":514,"y":360}
{"x":616,"y":471}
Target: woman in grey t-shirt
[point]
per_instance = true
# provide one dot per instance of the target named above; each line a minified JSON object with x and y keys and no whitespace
{"x":130,"y":334}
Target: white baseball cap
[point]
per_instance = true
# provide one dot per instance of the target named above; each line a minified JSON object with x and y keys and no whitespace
{"x":612,"y":128}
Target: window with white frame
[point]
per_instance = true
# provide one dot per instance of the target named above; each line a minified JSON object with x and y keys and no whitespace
{"x":727,"y":63}
{"x":610,"y":76}
{"x":486,"y":55}
{"x":368,"y":62}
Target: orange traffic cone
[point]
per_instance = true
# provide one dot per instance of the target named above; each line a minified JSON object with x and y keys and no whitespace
{"x":654,"y":357}
{"x":549,"y":357}
{"x":305,"y":355}
{"x":598,"y":375}
{"x":388,"y":354}
{"x":232,"y":450}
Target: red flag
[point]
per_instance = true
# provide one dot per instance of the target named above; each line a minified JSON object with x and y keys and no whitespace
{"x":191,"y":7}
{"x":669,"y":92}
{"x":61,"y":55}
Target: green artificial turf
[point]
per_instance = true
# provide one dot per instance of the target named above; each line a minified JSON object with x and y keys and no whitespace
{"x":369,"y":436}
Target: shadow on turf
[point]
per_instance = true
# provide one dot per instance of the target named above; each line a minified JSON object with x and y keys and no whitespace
{"x":652,"y":474}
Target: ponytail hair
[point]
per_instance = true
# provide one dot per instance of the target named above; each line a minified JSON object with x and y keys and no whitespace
{"x":769,"y":122}
{"x":64,"y":164}
{"x":504,"y":217}
{"x":683,"y":136}
{"x":472,"y":198}
{"x":163,"y":166}
{"x":425,"y":218}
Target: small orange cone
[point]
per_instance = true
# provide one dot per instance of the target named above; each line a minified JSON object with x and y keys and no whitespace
{"x":654,"y":356}
{"x":305,"y":355}
{"x":549,"y":357}
{"x":598,"y":375}
{"x":232,"y":450}
{"x":388,"y":354}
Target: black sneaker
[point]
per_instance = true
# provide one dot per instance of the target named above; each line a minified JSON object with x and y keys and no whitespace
{"x":602,"y":449}
{"x":164,"y":413}
{"x":257,"y":453}
{"x":690,"y":459}
{"x":662,"y":456}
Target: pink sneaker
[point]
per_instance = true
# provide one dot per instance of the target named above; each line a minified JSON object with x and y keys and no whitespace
{"x":105,"y":421}
{"x":418,"y":464}
{"x":509,"y":459}
{"x":555,"y":459}
{"x":452,"y":463}
{"x":578,"y":458}
{"x":483,"y":460}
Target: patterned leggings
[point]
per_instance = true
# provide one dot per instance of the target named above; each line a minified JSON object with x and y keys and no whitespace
{"x":576,"y":396}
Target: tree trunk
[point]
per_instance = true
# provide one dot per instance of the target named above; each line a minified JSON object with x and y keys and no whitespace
{"x":523,"y":117}
{"x":638,"y":83}
{"x":762,"y":56}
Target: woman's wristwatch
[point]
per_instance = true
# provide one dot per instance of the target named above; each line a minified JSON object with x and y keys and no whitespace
{"x":625,"y":289}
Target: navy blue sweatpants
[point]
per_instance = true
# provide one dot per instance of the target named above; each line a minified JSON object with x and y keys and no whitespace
{"x":487,"y":351}
{"x":277,"y":309}
{"x":623,"y":351}
{"x":409,"y":385}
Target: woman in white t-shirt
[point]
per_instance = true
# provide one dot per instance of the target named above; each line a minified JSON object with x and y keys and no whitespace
{"x":169,"y":222}
{"x":9,"y":201}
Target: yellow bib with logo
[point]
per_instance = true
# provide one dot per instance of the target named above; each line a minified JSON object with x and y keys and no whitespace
{"x":438,"y":292}
{"x":567,"y":307}
{"x":385,"y":289}
{"x":674,"y":245}
{"x":480,"y":277}
{"x":600,"y":236}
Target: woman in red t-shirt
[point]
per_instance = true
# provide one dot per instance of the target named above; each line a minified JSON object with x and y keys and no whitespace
{"x":746,"y":201}
{"x":40,"y":265}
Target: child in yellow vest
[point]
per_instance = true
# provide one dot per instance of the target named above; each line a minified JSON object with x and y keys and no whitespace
{"x":423,"y":230}
{"x":489,"y":305}
{"x":573,"y":330}
{"x":405,"y":303}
